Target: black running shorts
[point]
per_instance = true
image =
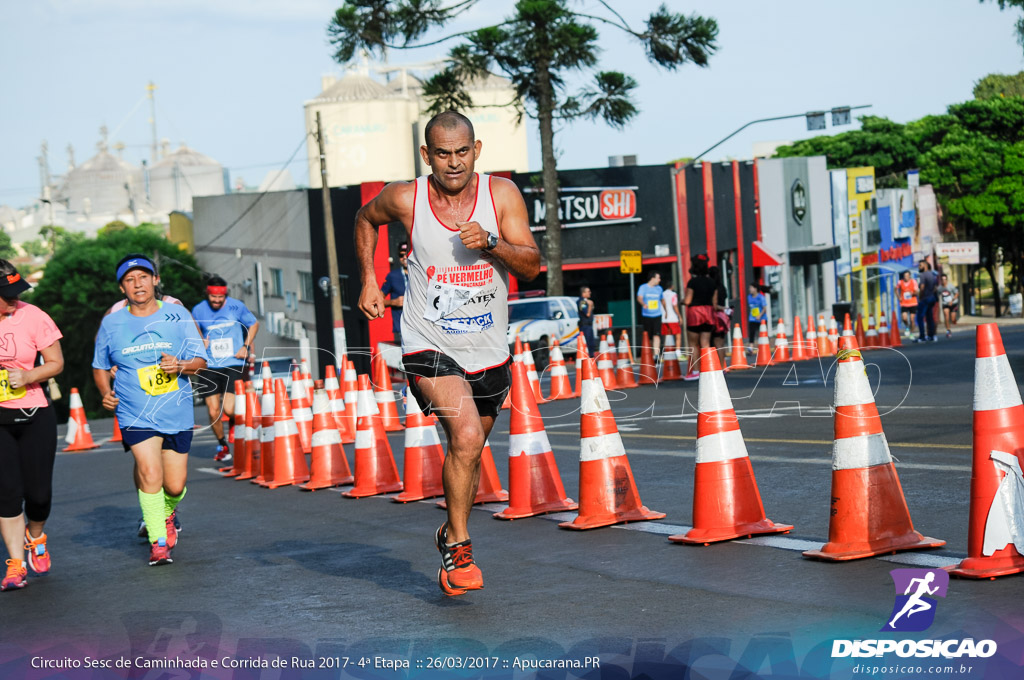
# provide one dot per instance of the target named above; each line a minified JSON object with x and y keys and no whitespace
{"x":490,"y":386}
{"x":211,"y":381}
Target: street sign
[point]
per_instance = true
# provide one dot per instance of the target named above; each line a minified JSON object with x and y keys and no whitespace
{"x":630,"y":262}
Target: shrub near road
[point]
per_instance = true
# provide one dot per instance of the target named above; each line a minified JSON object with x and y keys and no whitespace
{"x":78,"y":286}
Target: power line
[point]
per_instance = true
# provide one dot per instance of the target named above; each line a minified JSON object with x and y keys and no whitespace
{"x":258,"y":198}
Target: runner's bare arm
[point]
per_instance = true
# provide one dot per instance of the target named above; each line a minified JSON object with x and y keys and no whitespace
{"x":516,"y":249}
{"x":172,"y":364}
{"x":393,"y":204}
{"x":102,"y":379}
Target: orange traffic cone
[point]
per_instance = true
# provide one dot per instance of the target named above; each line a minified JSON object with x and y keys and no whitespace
{"x":606,"y":365}
{"x":581,"y":354}
{"x":266,"y":379}
{"x":883,"y":332}
{"x":250,"y":433}
{"x":871,"y":336}
{"x":869,"y":514}
{"x":302,"y":414}
{"x":648,"y":367}
{"x":351,"y":387}
{"x":424,"y":456}
{"x":764,"y":355}
{"x":847,"y":329}
{"x":624,"y":366}
{"x":307,"y":384}
{"x":781,"y":344}
{"x":327,"y":466}
{"x":810,"y":340}
{"x":833,"y":337}
{"x":995,"y":542}
{"x":824,"y":349}
{"x":240,"y":454}
{"x":116,"y":436}
{"x":670,"y":361}
{"x":859,"y":331}
{"x":531,"y":373}
{"x":798,"y":353}
{"x":894,"y":332}
{"x":489,"y":490}
{"x":79,"y":436}
{"x":534,"y":485}
{"x":267,"y":406}
{"x":376,"y":472}
{"x":385,"y":395}
{"x":289,"y":462}
{"x":738,"y":358}
{"x":726,"y":501}
{"x":337,"y":403}
{"x":561,"y":388}
{"x":608,"y":493}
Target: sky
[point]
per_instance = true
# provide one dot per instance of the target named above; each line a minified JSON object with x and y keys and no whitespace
{"x":232,"y":76}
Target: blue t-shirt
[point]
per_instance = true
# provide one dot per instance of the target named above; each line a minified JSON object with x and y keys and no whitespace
{"x":395,"y":284}
{"x":148,"y":397}
{"x":225,"y":329}
{"x":651,"y":295}
{"x":757,"y":306}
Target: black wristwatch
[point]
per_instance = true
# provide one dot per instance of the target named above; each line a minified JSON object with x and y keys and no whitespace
{"x":492,"y":242}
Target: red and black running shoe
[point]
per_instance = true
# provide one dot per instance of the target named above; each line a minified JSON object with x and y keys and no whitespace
{"x":458,"y":573}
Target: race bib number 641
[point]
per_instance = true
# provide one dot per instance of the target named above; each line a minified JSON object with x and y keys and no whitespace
{"x":155,"y":381}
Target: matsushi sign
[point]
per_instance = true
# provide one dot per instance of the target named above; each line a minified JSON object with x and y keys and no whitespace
{"x":585,"y":206}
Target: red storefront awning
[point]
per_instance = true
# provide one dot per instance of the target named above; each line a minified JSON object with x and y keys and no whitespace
{"x":763,"y":257}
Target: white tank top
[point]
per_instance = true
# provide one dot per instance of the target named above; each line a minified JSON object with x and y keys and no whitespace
{"x":457,"y":302}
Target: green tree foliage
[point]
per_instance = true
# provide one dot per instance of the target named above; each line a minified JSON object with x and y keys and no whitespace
{"x":36,"y":248}
{"x":540,"y":47}
{"x":879,"y":142}
{"x":999,"y":85}
{"x":7,"y":250}
{"x":79,"y":286}
{"x":1019,"y":25}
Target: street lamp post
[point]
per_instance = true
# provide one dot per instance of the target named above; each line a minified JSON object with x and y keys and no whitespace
{"x":815,"y":121}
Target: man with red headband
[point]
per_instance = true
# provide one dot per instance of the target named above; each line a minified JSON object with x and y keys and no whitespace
{"x":228,"y":329}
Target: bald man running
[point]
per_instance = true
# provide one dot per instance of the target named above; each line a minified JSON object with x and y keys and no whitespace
{"x":467,"y":232}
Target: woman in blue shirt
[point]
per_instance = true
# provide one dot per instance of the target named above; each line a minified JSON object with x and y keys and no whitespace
{"x":151,"y":344}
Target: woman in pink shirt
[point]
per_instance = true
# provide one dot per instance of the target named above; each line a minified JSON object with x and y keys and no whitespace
{"x":28,"y":427}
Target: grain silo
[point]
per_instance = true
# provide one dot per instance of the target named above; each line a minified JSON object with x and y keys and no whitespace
{"x":180,"y":175}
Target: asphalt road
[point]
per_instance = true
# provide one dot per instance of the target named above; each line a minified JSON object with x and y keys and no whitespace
{"x":300,"y":576}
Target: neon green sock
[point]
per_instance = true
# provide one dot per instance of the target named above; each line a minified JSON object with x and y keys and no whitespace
{"x":171,"y":502}
{"x":153,"y":512}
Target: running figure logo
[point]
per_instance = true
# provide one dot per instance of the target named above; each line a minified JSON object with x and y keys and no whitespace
{"x":914,"y":609}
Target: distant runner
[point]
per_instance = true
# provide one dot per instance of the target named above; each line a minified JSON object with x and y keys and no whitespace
{"x":228,"y":329}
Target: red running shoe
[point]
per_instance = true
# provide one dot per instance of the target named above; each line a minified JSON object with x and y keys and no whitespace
{"x":17,"y":576}
{"x":159,"y":553}
{"x":38,"y":555}
{"x":458,"y":573}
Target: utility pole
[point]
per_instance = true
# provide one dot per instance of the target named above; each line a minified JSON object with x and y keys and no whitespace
{"x":340,"y":343}
{"x":150,"y":89}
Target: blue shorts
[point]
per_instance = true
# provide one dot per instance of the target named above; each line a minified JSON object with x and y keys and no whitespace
{"x":180,"y":442}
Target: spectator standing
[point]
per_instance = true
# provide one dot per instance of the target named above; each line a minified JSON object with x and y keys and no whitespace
{"x":928,"y":284}
{"x":585,"y":309}
{"x":395,"y":285}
